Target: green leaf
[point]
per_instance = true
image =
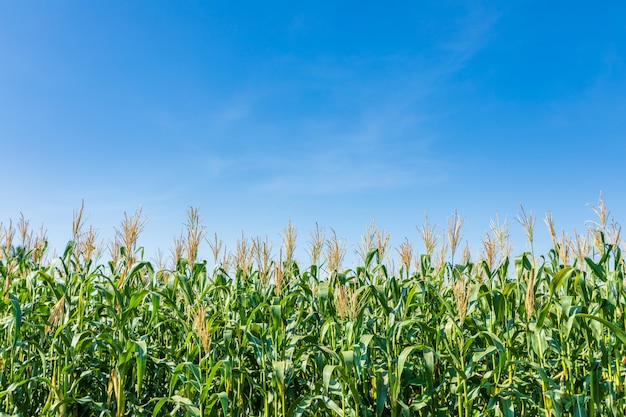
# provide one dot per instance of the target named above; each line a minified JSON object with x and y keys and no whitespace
{"x":478,"y":356}
{"x":276,"y":313}
{"x":303,"y":403}
{"x":598,"y":271}
{"x":158,"y":406}
{"x":382,"y":391}
{"x":506,"y":407}
{"x":326,"y":374}
{"x":370,"y":255}
{"x":223,"y":401}
{"x":403,"y":358}
{"x":12,"y":387}
{"x":619,"y":333}
{"x":141,"y":349}
{"x":186,"y":402}
{"x":348,"y":358}
{"x":558,"y":279}
{"x":17,"y":317}
{"x":279,"y":373}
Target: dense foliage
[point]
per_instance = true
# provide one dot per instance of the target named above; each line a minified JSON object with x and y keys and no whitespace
{"x":503,"y":335}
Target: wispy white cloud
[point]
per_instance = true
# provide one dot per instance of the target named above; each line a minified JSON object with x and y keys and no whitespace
{"x":338,"y":178}
{"x":370,"y":125}
{"x":472,"y":32}
{"x":330,"y":159}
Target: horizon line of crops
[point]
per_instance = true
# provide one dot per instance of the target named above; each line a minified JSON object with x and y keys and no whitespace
{"x":259,"y":334}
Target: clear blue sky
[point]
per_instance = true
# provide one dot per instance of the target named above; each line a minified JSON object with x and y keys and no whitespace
{"x":328,"y":112}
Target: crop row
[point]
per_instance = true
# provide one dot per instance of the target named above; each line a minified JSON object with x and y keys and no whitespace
{"x":258,"y":336}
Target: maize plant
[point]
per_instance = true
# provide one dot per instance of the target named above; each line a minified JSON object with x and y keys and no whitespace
{"x":260,"y":334}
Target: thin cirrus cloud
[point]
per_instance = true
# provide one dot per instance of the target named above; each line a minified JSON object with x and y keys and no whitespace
{"x":328,"y":155}
{"x":380,"y":139}
{"x":338,"y":178}
{"x":371,"y":111}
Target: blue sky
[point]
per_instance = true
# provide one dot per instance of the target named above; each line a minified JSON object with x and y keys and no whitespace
{"x":329,"y":112}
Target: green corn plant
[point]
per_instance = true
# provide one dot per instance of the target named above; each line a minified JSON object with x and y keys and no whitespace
{"x":501,"y":335}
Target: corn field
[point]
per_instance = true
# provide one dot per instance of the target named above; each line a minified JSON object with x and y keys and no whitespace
{"x":260,"y":334}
